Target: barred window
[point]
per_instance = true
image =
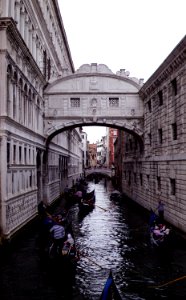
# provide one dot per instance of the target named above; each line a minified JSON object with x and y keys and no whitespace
{"x":174,"y":131}
{"x":158,"y":183}
{"x":75,"y":102}
{"x":173,"y":186}
{"x":160,"y":133}
{"x":114,"y":102}
{"x":174,"y":86}
{"x":149,"y":106}
{"x":160,"y":96}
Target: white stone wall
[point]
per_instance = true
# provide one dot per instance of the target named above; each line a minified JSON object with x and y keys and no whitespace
{"x":33,"y":50}
{"x":159,"y":172}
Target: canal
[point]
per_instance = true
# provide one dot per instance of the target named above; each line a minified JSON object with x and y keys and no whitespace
{"x":114,"y":236}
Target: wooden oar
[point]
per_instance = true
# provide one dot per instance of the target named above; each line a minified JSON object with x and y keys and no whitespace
{"x":169,"y":282}
{"x":101,"y":207}
{"x":90,"y":259}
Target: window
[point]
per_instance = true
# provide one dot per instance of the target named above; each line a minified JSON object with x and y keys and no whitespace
{"x":148,"y":179}
{"x":141,"y":179}
{"x":174,"y":131}
{"x":150,"y":139}
{"x":135,"y":178}
{"x":160,"y":96}
{"x":129,"y":182}
{"x":173,"y":186}
{"x":75,"y":102}
{"x":160,"y":133}
{"x":14,"y":154}
{"x":126,"y":147}
{"x":174,"y":87}
{"x":158,"y":183}
{"x":25,"y":154}
{"x":136,"y":144}
{"x":131,"y":145}
{"x":149,"y":106}
{"x":8,"y":153}
{"x":113,"y":102}
{"x":20,"y":154}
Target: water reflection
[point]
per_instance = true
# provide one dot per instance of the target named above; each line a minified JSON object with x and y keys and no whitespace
{"x":114,"y":236}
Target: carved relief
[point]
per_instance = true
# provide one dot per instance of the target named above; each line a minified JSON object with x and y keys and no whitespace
{"x":93,"y":84}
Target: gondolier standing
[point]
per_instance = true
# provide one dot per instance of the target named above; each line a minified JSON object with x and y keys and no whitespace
{"x":160,"y":209}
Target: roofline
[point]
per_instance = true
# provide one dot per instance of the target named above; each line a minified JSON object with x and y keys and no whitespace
{"x":173,"y":60}
{"x":61,"y":25}
{"x":78,"y":75}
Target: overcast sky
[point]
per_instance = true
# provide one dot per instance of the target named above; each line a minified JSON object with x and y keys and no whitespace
{"x":136,"y":35}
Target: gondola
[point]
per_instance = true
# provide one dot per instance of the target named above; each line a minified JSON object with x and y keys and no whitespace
{"x":115,"y":195}
{"x":110,"y":291}
{"x":159,"y":232}
{"x":87,"y":204}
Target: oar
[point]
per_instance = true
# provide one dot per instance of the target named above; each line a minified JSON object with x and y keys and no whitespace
{"x":101,"y":207}
{"x":169,"y":282}
{"x":89,"y":259}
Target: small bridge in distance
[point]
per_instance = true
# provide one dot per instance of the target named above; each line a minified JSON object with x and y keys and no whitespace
{"x":100,"y":170}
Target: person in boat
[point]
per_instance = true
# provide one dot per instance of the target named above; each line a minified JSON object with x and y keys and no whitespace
{"x":153,"y":218}
{"x":58,"y":235}
{"x":160,"y":231}
{"x":160,"y":209}
{"x":79,"y":195}
{"x":66,"y":192}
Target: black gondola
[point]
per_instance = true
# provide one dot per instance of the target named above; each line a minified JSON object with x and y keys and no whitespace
{"x":115,"y":195}
{"x":159,"y":233}
{"x":110,"y":291}
{"x":87,"y":204}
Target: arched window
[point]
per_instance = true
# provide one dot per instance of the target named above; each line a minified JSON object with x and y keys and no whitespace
{"x":25,"y":105}
{"x":8,"y":87}
{"x":14,"y":98}
{"x":20,"y":100}
{"x":29,"y":108}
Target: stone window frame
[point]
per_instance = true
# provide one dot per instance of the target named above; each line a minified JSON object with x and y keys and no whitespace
{"x":173,"y":186}
{"x":174,"y":131}
{"x":129,"y":178}
{"x":148,"y":181}
{"x":135,"y":177}
{"x":141,"y":179}
{"x":174,"y":85}
{"x":150,"y":139}
{"x":75,"y":102}
{"x":113,"y":102}
{"x":149,"y":105}
{"x":158,"y":183}
{"x":160,"y":136}
{"x":160,"y":97}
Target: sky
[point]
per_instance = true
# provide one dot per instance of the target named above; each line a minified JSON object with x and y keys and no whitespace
{"x":136,"y":35}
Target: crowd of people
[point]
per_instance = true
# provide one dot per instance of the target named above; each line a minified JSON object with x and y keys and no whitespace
{"x":55,"y":233}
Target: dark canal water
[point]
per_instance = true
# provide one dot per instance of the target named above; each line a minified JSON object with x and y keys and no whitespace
{"x":114,"y":236}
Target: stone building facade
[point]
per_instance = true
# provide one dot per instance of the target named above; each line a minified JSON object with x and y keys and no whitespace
{"x":158,"y":171}
{"x":33,"y":52}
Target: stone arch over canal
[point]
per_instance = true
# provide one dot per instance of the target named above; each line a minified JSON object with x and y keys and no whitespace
{"x":94,"y":95}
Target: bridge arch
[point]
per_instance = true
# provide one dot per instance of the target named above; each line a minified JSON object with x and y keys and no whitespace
{"x":94,"y":96}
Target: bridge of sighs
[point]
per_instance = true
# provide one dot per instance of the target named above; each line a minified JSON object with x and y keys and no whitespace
{"x":94,"y":95}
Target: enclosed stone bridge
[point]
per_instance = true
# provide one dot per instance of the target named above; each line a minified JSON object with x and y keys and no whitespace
{"x":94,"y":95}
{"x":99,"y":170}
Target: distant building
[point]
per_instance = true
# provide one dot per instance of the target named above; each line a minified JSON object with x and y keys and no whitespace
{"x":92,"y":155}
{"x":84,"y":149}
{"x":101,"y":151}
{"x":112,"y":134}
